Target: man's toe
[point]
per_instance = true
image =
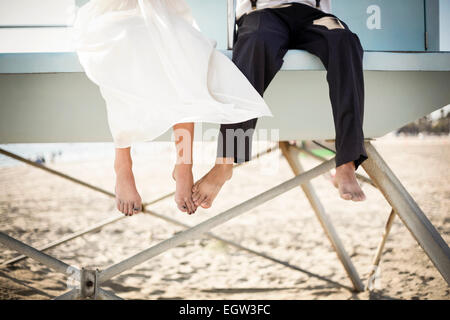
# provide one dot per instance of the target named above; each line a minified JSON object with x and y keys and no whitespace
{"x":202,"y":199}
{"x":357,"y":197}
{"x":197,"y":200}
{"x":347,"y":196}
{"x":361,"y":196}
{"x":206,"y":204}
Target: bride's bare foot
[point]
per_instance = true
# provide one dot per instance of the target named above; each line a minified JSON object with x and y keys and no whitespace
{"x":345,"y":181}
{"x":128,"y":200}
{"x":182,"y":174}
{"x":206,"y":189}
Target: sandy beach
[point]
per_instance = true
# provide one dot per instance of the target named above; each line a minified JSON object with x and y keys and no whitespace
{"x":38,"y":208}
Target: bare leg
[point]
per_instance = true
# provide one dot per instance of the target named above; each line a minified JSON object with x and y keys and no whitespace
{"x":206,"y":189}
{"x":182,"y":173}
{"x":128,"y":200}
{"x":345,"y":181}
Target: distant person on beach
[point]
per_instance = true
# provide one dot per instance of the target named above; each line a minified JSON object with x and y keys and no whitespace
{"x":40,"y":159}
{"x":157,"y":71}
{"x":267,"y":29}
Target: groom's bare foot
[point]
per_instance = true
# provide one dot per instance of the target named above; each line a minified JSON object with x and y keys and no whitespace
{"x":206,"y":189}
{"x":345,"y":181}
{"x":182,"y":174}
{"x":128,"y":200}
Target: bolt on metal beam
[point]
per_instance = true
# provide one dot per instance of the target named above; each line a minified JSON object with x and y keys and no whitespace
{"x":88,"y":283}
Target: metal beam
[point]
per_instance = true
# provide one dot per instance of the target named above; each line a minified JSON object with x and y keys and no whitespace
{"x":408,"y":211}
{"x":360,"y":177}
{"x":292,"y":156}
{"x":103,"y":223}
{"x":107,"y":295}
{"x":37,"y":255}
{"x":249,"y":250}
{"x":380,"y":249}
{"x":67,"y":238}
{"x":73,"y":294}
{"x":231,"y":22}
{"x":214,"y":221}
{"x":57,"y":173}
{"x":167,"y":219}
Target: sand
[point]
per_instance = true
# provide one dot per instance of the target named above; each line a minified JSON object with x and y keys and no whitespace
{"x":38,"y":208}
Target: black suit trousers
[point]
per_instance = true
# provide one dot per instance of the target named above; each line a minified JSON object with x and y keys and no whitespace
{"x":262,"y":40}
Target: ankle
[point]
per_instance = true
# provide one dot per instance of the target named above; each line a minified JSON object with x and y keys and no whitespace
{"x":224,"y":161}
{"x":224,"y":170}
{"x":183,"y":166}
{"x":182,"y":169}
{"x":349,"y":166}
{"x":123,"y":166}
{"x":224,"y":166}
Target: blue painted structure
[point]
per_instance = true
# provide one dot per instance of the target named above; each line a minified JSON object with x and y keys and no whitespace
{"x":36,"y":85}
{"x":382,"y":25}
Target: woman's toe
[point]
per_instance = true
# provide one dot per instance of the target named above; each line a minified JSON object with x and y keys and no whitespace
{"x":121,"y":207}
{"x":129,"y":208}
{"x":182,"y":206}
{"x":188,"y":205}
{"x":138,"y":206}
{"x":193,"y":206}
{"x":195,"y":196}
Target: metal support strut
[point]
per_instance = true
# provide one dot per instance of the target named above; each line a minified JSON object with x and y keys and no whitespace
{"x":381,"y":176}
{"x":292,"y":156}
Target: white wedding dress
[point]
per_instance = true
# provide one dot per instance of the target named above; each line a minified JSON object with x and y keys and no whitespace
{"x":156,"y":69}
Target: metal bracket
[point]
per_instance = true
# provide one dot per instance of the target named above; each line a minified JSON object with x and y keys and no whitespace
{"x":89,"y":283}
